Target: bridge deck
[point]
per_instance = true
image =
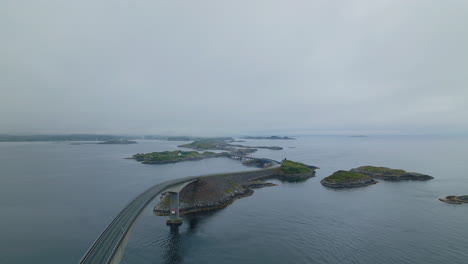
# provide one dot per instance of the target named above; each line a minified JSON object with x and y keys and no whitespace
{"x":104,"y":248}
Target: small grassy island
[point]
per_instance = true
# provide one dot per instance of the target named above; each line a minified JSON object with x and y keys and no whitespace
{"x":347,"y":179}
{"x":217,"y":191}
{"x":292,"y":167}
{"x":165,"y":157}
{"x":390,"y":174}
{"x":455,"y":199}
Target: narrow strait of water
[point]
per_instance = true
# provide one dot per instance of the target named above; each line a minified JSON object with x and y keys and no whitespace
{"x":56,"y":198}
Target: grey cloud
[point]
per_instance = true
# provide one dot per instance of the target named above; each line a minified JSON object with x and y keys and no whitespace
{"x":229,"y":67}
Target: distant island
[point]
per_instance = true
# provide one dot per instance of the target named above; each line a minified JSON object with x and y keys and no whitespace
{"x":270,"y":137}
{"x":182,"y":138}
{"x":347,"y":179}
{"x":455,"y":199}
{"x":165,"y":157}
{"x":365,"y":175}
{"x":64,"y":137}
{"x":221,"y":144}
{"x":117,"y":142}
{"x":390,"y":174}
{"x":217,"y":191}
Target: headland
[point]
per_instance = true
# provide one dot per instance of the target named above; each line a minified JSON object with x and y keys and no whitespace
{"x":217,"y":191}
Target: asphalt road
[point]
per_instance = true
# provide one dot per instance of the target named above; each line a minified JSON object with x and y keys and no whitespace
{"x":104,"y":248}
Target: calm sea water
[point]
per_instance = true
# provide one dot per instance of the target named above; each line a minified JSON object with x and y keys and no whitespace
{"x":56,"y":198}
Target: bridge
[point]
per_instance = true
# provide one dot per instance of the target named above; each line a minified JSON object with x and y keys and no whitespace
{"x":110,"y":245}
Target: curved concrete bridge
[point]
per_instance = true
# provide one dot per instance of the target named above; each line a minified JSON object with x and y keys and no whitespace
{"x":110,"y":245}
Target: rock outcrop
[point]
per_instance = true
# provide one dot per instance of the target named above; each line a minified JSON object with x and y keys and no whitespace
{"x":455,"y":199}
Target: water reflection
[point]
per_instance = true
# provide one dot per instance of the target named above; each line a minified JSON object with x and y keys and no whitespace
{"x":172,"y":246}
{"x":172,"y":253}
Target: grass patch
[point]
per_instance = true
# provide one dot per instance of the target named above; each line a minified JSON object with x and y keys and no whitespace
{"x":381,"y":170}
{"x":217,"y":144}
{"x":342,"y":176}
{"x":292,"y":167}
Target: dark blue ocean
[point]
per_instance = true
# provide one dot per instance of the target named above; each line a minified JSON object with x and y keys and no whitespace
{"x":56,"y":199}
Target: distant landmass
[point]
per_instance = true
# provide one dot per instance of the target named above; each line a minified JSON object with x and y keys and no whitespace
{"x":68,"y":137}
{"x":270,"y":137}
{"x":118,"y":142}
{"x":221,"y":144}
{"x":98,"y":137}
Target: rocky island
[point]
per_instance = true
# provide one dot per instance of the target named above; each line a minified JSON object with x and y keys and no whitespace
{"x":347,"y":179}
{"x":390,"y":174}
{"x":455,"y":199}
{"x":165,"y":157}
{"x":217,"y":191}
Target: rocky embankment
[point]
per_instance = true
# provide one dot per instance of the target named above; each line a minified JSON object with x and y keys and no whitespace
{"x":217,"y":191}
{"x":390,"y":174}
{"x":455,"y":199}
{"x":347,"y":179}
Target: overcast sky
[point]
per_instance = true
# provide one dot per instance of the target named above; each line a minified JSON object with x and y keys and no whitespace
{"x":234,"y":67}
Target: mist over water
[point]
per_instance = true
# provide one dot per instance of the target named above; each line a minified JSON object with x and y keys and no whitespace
{"x":56,"y":199}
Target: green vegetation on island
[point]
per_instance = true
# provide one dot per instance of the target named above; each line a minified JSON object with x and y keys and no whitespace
{"x":342,"y":176}
{"x":207,"y":144}
{"x":292,"y":167}
{"x":347,"y":179}
{"x":174,"y":156}
{"x":390,"y":174}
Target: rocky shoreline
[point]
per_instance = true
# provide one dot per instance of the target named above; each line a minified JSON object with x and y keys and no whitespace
{"x":452,"y":199}
{"x":347,"y":184}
